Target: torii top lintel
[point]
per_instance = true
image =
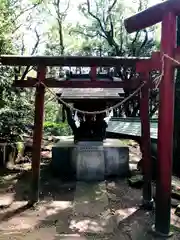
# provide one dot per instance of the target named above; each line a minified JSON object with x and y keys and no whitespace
{"x":74,"y":61}
{"x":151,"y":16}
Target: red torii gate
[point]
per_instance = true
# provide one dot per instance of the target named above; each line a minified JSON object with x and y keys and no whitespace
{"x":165,"y":12}
{"x":42,"y":81}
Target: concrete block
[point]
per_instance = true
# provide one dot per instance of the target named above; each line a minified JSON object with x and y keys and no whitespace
{"x":61,"y":160}
{"x":116,"y":161}
{"x":89,"y":159}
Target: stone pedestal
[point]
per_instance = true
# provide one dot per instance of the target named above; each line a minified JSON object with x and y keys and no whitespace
{"x":62,"y":165}
{"x":116,"y":161}
{"x":89,"y":161}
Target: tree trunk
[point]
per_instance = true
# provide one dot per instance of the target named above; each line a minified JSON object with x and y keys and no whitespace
{"x":61,"y":43}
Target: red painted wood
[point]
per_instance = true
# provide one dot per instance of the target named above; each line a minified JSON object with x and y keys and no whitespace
{"x":52,"y":83}
{"x":13,"y":60}
{"x":177,"y":55}
{"x":151,"y":15}
{"x":146,"y":142}
{"x":152,"y":64}
{"x":37,"y":135}
{"x":165,"y":128}
{"x":155,"y":62}
{"x":143,"y":66}
{"x":93,"y":73}
{"x":177,"y":52}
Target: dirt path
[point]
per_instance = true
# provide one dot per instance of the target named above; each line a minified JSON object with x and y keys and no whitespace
{"x":74,"y":211}
{"x":108,"y":210}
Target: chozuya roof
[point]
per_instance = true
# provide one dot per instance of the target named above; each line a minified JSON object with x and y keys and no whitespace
{"x":90,"y":93}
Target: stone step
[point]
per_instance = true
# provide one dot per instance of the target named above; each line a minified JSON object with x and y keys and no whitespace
{"x":91,"y":213}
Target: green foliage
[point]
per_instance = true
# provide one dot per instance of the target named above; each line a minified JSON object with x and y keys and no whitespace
{"x":20,"y":147}
{"x":101,"y":31}
{"x":106,"y":23}
{"x":14,"y":109}
{"x":51,"y":111}
{"x":6,"y":26}
{"x":56,"y":129}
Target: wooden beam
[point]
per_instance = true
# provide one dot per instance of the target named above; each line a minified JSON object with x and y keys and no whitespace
{"x":112,"y":101}
{"x":175,"y":56}
{"x":75,"y":61}
{"x":152,"y":64}
{"x":155,"y":63}
{"x":81,"y":79}
{"x":151,"y":15}
{"x":142,"y":66}
{"x":78,"y":84}
{"x":93,"y":73}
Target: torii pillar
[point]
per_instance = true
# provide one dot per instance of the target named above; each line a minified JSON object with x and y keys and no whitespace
{"x":165,"y":12}
{"x":37,"y":135}
{"x":165,"y":128}
{"x":147,"y":200}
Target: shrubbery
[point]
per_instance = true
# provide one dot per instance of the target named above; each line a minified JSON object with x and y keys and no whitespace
{"x":56,"y":129}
